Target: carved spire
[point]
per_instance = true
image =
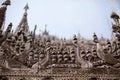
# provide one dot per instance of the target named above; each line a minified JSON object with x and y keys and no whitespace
{"x":23,"y":25}
{"x":26,"y":7}
{"x":34,"y":31}
{"x":2,"y":13}
{"x":45,"y":31}
{"x":95,"y":39}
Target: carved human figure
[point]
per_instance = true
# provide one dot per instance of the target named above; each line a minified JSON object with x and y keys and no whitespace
{"x":65,"y":56}
{"x":60,"y":56}
{"x":83,"y":54}
{"x":89,"y":56}
{"x":72,"y":56}
{"x":94,"y":54}
{"x":54,"y":56}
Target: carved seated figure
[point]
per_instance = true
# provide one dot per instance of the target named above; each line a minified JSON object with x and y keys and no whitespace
{"x":95,"y":57}
{"x":42,"y":55}
{"x":22,"y":48}
{"x":72,"y":56}
{"x":89,"y":56}
{"x":65,"y":57}
{"x":53,"y":57}
{"x":13,"y":41}
{"x":28,"y":42}
{"x":60,"y":57}
{"x":30,"y":59}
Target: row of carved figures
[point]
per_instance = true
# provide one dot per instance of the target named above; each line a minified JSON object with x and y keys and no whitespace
{"x":31,"y":50}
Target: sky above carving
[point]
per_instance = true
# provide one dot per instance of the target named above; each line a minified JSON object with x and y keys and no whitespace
{"x":64,"y":18}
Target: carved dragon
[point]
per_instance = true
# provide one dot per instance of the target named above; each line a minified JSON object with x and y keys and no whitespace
{"x":108,"y":57}
{"x":104,"y":55}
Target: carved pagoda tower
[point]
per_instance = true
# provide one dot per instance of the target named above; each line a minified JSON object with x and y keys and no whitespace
{"x":23,"y":25}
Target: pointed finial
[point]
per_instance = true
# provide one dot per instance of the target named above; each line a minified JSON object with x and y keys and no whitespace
{"x":45,"y":26}
{"x":7,"y":2}
{"x":114,"y":15}
{"x":35,"y":27}
{"x":26,"y":7}
{"x":95,"y":39}
{"x":45,"y":32}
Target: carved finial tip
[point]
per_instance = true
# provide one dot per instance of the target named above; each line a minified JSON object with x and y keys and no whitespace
{"x":114,"y":15}
{"x":10,"y":24}
{"x":7,"y":2}
{"x":26,"y":7}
